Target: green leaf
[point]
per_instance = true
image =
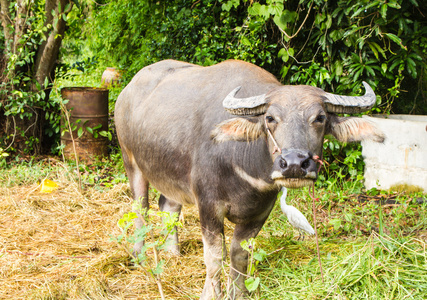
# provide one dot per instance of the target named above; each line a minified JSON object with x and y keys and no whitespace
{"x":276,"y":9}
{"x":411,"y":62}
{"x":372,"y":4}
{"x":414,"y":2}
{"x":260,"y":255}
{"x":358,"y":73}
{"x":336,"y":223}
{"x":357,"y":12}
{"x":106,"y":134}
{"x":394,"y":4}
{"x":254,"y":9}
{"x":338,"y":68}
{"x":159,"y":268}
{"x":384,"y":11}
{"x":278,"y":20}
{"x":384,"y":67}
{"x":394,"y":65}
{"x":289,"y":16}
{"x":411,"y":68}
{"x":347,"y":227}
{"x":283,"y":54}
{"x":46,"y":82}
{"x":348,"y":217}
{"x":395,"y":39}
{"x":227,"y":6}
{"x":373,"y":49}
{"x":80,"y":132}
{"x":129,"y":217}
{"x":329,"y":21}
{"x":319,"y":18}
{"x":252,"y":283}
{"x":336,"y":35}
{"x":245,"y":245}
{"x":264,"y":12}
{"x":245,"y":41}
{"x":370,"y":70}
{"x":284,"y":71}
{"x":352,"y":31}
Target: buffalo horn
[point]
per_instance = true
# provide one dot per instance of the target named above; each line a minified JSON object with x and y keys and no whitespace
{"x":350,"y":104}
{"x":255,"y":105}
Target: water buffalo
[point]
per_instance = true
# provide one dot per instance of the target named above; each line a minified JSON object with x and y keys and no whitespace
{"x":226,"y":138}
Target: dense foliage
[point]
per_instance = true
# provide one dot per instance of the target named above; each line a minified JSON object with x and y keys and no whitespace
{"x":331,"y":44}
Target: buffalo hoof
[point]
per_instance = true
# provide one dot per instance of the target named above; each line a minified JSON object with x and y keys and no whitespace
{"x":173,"y":250}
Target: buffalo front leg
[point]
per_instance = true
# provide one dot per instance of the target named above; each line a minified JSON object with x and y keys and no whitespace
{"x":214,"y":252}
{"x":167,"y":205}
{"x":239,"y":258}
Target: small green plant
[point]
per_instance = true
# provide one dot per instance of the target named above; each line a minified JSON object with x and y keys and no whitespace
{"x":152,"y":266}
{"x":255,"y":257}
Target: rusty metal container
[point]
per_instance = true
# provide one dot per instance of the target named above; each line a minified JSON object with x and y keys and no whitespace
{"x":88,"y":114}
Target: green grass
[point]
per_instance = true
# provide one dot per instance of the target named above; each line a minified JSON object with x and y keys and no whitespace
{"x":359,"y":261}
{"x":100,"y":174}
{"x":373,"y":268}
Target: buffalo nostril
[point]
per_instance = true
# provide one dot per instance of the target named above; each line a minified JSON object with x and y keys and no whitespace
{"x":283,"y":164}
{"x":305,"y":164}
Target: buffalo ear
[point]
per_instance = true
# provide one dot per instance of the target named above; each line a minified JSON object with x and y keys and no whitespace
{"x":237,"y":129}
{"x":353,"y":129}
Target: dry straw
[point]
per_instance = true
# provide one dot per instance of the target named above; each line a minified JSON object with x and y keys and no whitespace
{"x":58,"y":246}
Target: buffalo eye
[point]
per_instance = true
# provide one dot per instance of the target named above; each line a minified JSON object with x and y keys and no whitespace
{"x":269,"y":119}
{"x":320,"y":119}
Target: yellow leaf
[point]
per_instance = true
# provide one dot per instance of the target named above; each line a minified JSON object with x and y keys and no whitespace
{"x":48,"y":186}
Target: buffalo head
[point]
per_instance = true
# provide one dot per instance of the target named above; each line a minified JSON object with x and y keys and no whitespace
{"x":293,"y":120}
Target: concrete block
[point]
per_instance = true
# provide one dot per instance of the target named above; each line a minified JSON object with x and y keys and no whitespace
{"x":402,"y":158}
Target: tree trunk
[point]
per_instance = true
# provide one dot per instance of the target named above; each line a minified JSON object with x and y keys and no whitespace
{"x":24,"y":134}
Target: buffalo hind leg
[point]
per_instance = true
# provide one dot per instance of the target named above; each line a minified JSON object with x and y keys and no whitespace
{"x":139,"y":188}
{"x":239,"y":258}
{"x":171,"y":206}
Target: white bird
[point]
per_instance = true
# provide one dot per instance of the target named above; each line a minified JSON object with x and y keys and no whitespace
{"x":295,"y":217}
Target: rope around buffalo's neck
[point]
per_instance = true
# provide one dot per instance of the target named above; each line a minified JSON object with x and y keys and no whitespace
{"x":314,"y":199}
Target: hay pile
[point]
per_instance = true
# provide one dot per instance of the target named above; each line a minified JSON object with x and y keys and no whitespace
{"x":58,"y":246}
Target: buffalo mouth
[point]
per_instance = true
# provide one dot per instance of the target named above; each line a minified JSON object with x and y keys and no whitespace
{"x":294,"y":183}
{"x":294,"y":168}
